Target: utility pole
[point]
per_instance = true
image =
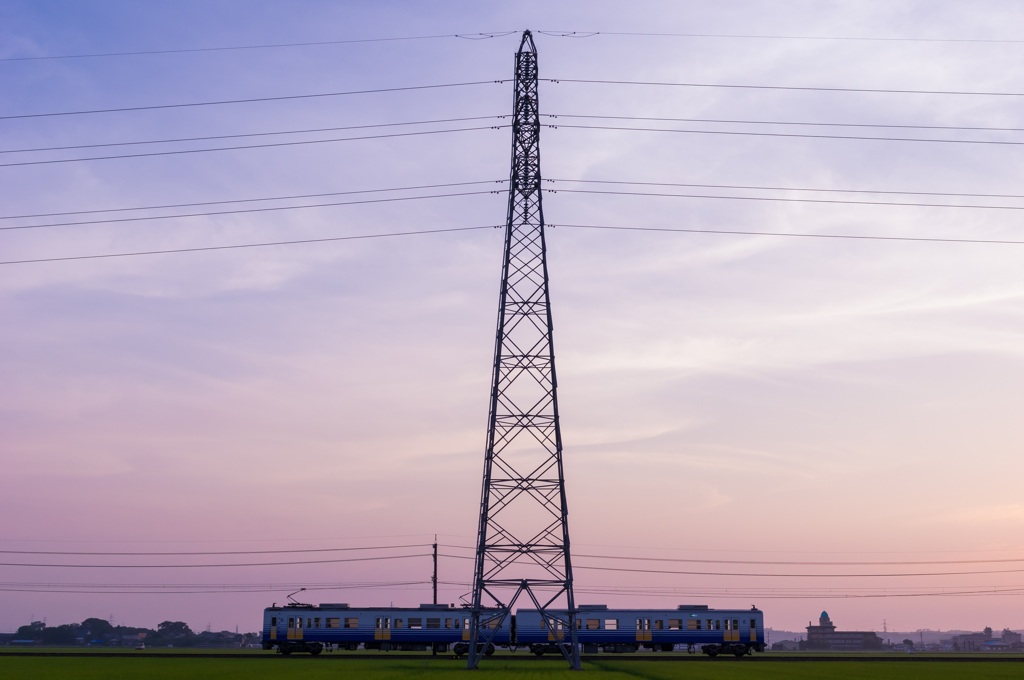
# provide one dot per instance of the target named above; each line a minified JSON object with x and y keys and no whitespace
{"x":433,"y":579}
{"x":523,"y":536}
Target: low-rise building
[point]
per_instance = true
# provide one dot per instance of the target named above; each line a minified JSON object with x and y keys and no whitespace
{"x":824,"y":636}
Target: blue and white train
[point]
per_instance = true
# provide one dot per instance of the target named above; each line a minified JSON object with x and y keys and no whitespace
{"x":308,"y":628}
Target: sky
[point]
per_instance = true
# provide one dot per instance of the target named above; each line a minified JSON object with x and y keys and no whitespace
{"x":804,"y":402}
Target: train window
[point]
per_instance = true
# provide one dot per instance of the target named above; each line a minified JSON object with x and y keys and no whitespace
{"x":398,"y":623}
{"x":415,"y":624}
{"x":333,"y":622}
{"x":309,"y":623}
{"x":273,"y":622}
{"x":659,"y":624}
{"x":593,"y":624}
{"x":579,"y":624}
{"x":753,"y":624}
{"x":433,"y":623}
{"x":352,"y":622}
{"x":316,"y":622}
{"x":710,"y":624}
{"x":447,"y":623}
{"x":611,"y":624}
{"x":465,"y":624}
{"x":718,"y":624}
{"x":727,"y":624}
{"x":735,"y":624}
{"x":675,"y":624}
{"x":291,"y":621}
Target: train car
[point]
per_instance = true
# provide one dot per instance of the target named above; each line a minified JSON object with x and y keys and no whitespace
{"x":297,"y":627}
{"x":714,"y":631}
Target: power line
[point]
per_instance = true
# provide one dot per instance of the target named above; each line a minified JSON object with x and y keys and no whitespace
{"x":744,"y":121}
{"x":498,"y":226}
{"x":485,"y":35}
{"x":250,"y":134}
{"x":119,"y":220}
{"x":754,"y":36}
{"x":783,"y":87}
{"x":793,"y":575}
{"x":779,"y":199}
{"x":88,"y":589}
{"x":685,"y":560}
{"x":193,"y":566}
{"x":253,"y":200}
{"x":772,"y":188}
{"x":249,"y":245}
{"x":217,"y":552}
{"x":747,"y":133}
{"x":737,"y":232}
{"x":252,"y":100}
{"x":253,"y":146}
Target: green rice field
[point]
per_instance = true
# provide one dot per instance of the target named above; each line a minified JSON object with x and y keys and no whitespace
{"x":259,"y":667}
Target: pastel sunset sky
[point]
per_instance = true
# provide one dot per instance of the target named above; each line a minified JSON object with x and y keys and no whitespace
{"x":795,"y":383}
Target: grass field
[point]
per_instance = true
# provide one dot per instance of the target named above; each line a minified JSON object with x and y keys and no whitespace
{"x":255,"y":668}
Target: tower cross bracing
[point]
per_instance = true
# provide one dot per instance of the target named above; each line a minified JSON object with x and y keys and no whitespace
{"x":523,"y":535}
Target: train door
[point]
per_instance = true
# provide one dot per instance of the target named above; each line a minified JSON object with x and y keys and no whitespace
{"x":753,"y":630}
{"x":294,"y":628}
{"x":643,"y":630}
{"x":382,"y":628}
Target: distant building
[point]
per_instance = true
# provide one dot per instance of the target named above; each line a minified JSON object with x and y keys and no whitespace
{"x":970,"y":642}
{"x":824,"y":636}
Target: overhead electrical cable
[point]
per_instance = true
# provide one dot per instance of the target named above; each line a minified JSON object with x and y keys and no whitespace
{"x":268,"y":145}
{"x":738,"y":232}
{"x":273,"y":208}
{"x":747,"y":121}
{"x":733,"y":232}
{"x":253,"y":200}
{"x":252,"y":100}
{"x":196,"y":566}
{"x":844,"y":563}
{"x":797,"y":135}
{"x":392,"y":199}
{"x":250,"y":134}
{"x":796,"y":575}
{"x":487,"y":35}
{"x":483,"y":35}
{"x":203,"y":591}
{"x":217,"y":552}
{"x":756,"y":36}
{"x":632,"y":570}
{"x":250,"y":245}
{"x":795,"y":88}
{"x":773,"y":188}
{"x":783,"y":199}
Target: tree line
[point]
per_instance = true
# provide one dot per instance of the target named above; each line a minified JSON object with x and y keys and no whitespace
{"x":100,"y":632}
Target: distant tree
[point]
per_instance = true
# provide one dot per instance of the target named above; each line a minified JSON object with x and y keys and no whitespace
{"x":33,"y":631}
{"x":65,"y":634}
{"x":908,"y":643}
{"x":96,"y":629}
{"x":988,"y":633}
{"x":174,"y":629}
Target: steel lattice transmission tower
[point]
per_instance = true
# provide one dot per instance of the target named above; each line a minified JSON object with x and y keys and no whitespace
{"x":523,"y":536}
